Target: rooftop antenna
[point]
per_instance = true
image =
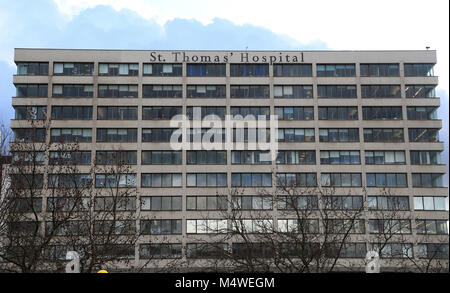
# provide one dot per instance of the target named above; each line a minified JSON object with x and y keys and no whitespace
{"x":427,"y":47}
{"x":246,"y":47}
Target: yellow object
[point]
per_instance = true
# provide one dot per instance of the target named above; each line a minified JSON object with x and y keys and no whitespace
{"x":102,"y":272}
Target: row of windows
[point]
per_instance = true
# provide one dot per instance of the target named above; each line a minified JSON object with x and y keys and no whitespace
{"x":218,"y":135}
{"x":237,"y":180}
{"x":220,"y":203}
{"x":288,"y":157}
{"x":217,"y":226}
{"x":242,"y":69}
{"x":260,"y":250}
{"x":219,"y":91}
{"x":168,"y":112}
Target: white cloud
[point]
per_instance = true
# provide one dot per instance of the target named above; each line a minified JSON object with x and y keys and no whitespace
{"x":344,"y":24}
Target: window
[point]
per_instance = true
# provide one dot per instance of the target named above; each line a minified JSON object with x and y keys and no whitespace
{"x":386,"y":180}
{"x":385,"y":157}
{"x":198,"y":135}
{"x":116,"y":158}
{"x":166,"y":69}
{"x":71,"y":135}
{"x":206,"y":250}
{"x":251,"y":157}
{"x":295,"y":226}
{"x":161,"y":180}
{"x":30,"y":112}
{"x":32,"y":68}
{"x":160,"y":250}
{"x":292,"y":70}
{"x":389,"y":226}
{"x":69,"y":157}
{"x":339,"y":134}
{"x":336,"y":91}
{"x":340,"y":157}
{"x":394,"y":250}
{"x":343,"y":226}
{"x":297,"y":202}
{"x":380,"y":91}
{"x":199,"y":113}
{"x":116,"y":135}
{"x":341,"y":179}
{"x":69,"y":180}
{"x":420,"y":91}
{"x":26,"y":205}
{"x":206,"y":203}
{"x":159,"y":134}
{"x":161,"y":157}
{"x":251,"y":180}
{"x":428,"y":180}
{"x":419,"y":69}
{"x":296,"y":179}
{"x":31,"y":90}
{"x":161,"y":203}
{"x":295,"y":135}
{"x":115,"y":180}
{"x":433,"y":250}
{"x":422,"y":113}
{"x":160,"y":112}
{"x":206,"y":157}
{"x":425,"y":157}
{"x":375,"y":69}
{"x":210,"y":226}
{"x":206,"y":91}
{"x":338,"y":113}
{"x":423,"y":134}
{"x":161,"y":227}
{"x":209,"y":70}
{"x":27,"y":181}
{"x":295,"y":113}
{"x":335,"y":70}
{"x":66,"y":204}
{"x":431,"y":227}
{"x":383,"y":135}
{"x":388,"y":203}
{"x":430,"y":203}
{"x":293,"y":91}
{"x":120,"y":203}
{"x":246,"y":111}
{"x":382,"y":113}
{"x":206,"y":180}
{"x":252,"y":202}
{"x":29,"y":134}
{"x":73,"y":68}
{"x":296,"y":157}
{"x":72,"y":112}
{"x":115,"y":69}
{"x":250,"y":91}
{"x":253,"y":225}
{"x":162,"y":91}
{"x":117,"y":113}
{"x":117,"y":91}
{"x":73,"y":90}
{"x":253,"y":250}
{"x":255,"y":70}
{"x":348,"y":250}
{"x":28,"y":158}
{"x":343,"y":202}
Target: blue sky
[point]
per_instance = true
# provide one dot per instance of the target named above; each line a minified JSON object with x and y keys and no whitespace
{"x":231,"y":24}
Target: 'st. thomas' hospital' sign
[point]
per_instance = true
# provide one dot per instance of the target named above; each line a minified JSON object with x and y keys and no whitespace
{"x":226,"y":57}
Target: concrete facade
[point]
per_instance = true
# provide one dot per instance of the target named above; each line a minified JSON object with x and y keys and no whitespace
{"x":250,"y":57}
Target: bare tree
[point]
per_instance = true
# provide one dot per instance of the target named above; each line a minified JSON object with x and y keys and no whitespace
{"x":312,"y":230}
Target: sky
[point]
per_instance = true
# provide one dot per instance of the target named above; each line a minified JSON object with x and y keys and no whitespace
{"x":225,"y":25}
